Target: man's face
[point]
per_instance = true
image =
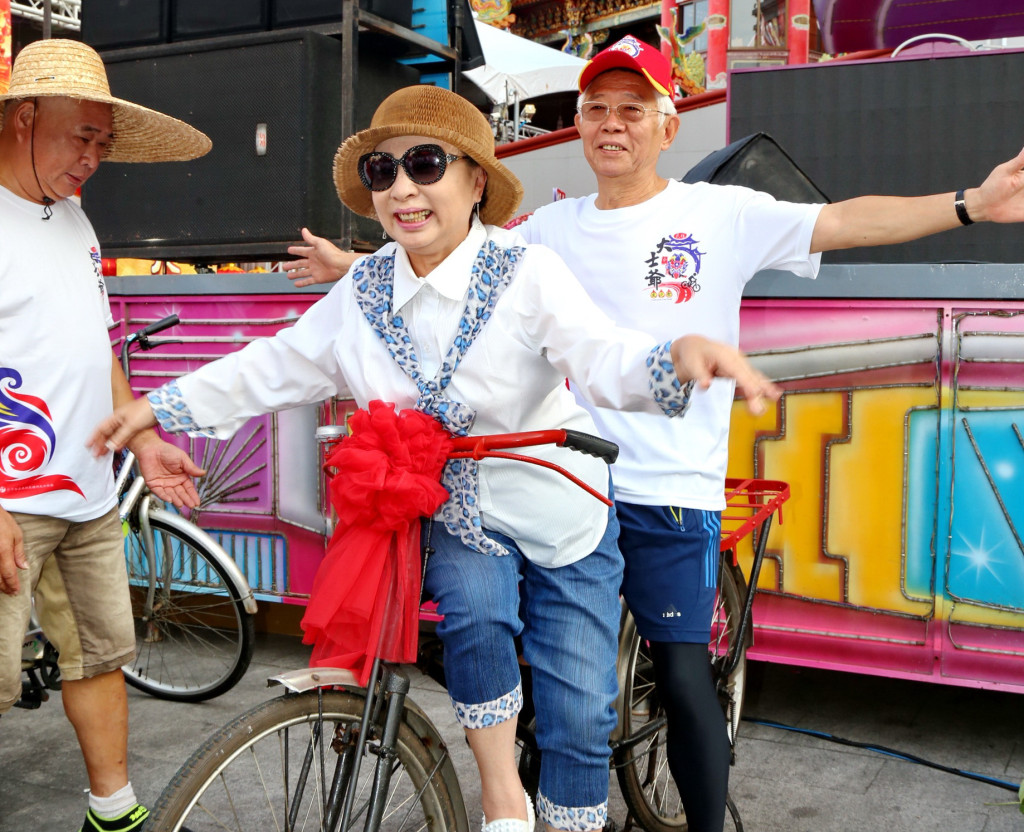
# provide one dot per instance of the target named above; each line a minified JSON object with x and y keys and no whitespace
{"x":615,"y":148}
{"x":71,"y":136}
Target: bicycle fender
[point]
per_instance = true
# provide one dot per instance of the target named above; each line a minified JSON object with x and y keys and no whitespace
{"x":311,"y":678}
{"x":234,"y":573}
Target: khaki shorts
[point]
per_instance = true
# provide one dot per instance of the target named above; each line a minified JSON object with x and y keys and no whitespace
{"x":77,"y":572}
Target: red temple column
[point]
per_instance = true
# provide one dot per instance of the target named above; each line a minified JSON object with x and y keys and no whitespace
{"x":5,"y":44}
{"x":666,"y":20}
{"x":718,"y":43}
{"x":798,"y":30}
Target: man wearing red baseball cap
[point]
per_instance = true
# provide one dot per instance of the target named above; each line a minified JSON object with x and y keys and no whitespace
{"x":660,"y":255}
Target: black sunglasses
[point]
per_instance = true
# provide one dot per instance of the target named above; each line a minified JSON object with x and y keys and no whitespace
{"x":424,"y":164}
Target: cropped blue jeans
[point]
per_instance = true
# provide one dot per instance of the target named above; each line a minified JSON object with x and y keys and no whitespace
{"x":568,"y":618}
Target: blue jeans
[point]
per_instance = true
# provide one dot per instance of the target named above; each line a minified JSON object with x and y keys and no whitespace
{"x":569,"y":621}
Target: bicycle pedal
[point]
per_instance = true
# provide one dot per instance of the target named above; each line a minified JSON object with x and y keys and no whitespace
{"x":32,"y":697}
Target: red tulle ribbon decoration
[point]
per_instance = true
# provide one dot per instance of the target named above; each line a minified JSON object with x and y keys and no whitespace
{"x":366,"y":594}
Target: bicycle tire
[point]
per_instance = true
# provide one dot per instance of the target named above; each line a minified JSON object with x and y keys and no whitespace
{"x":234,"y":781}
{"x":199,"y":640}
{"x":647,"y":785}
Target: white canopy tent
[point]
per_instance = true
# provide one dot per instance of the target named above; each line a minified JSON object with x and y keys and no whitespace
{"x":516,"y":69}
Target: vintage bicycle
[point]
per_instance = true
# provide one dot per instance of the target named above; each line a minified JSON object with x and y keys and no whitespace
{"x":329,"y":754}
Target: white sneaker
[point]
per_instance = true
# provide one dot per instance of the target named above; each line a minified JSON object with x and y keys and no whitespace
{"x":512,"y":824}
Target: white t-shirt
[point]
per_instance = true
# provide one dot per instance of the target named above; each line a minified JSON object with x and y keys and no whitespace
{"x":674,"y":265}
{"x":55,"y":362}
{"x":543,"y":329}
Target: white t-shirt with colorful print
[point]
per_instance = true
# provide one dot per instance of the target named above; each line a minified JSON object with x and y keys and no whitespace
{"x":55,"y":362}
{"x":673,"y":265}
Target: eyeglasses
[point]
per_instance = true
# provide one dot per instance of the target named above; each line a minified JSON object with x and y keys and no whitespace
{"x":597,"y":111}
{"x":424,"y":164}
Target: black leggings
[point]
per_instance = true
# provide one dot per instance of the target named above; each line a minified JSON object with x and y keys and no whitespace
{"x":698,"y":744}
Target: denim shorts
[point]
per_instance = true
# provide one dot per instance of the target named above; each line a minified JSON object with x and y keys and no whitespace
{"x":568,"y":618}
{"x":671,"y":570}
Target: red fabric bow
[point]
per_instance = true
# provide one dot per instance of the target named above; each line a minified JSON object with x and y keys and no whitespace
{"x":366,"y":594}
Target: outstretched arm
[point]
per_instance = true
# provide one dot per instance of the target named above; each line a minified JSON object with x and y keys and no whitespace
{"x":884,"y":220}
{"x":698,"y":358}
{"x":319,"y":261}
{"x":166,"y":468}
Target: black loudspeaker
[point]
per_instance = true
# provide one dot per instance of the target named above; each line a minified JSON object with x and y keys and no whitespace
{"x":296,"y":12}
{"x":271,"y":103}
{"x":906,"y":127}
{"x":210,"y":18}
{"x":110,"y":23}
{"x":757,"y":162}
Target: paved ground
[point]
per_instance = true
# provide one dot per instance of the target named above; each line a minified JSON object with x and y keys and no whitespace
{"x":783,"y":781}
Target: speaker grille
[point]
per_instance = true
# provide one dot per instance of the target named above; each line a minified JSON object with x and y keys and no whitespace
{"x":234,"y":202}
{"x":905,"y":127}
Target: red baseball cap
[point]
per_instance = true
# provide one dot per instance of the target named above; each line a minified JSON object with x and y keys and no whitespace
{"x":630,"y":53}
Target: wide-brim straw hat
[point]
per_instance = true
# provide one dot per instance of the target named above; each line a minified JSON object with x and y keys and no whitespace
{"x":71,"y":69}
{"x":440,"y":114}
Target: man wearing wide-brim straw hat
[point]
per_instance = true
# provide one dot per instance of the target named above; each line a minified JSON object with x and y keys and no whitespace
{"x":60,"y":538}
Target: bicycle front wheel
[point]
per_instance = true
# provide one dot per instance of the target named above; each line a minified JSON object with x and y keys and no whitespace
{"x":274,"y":768}
{"x":647,"y":785}
{"x":195,"y":640}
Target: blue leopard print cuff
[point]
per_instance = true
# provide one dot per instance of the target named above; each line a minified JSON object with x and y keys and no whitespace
{"x":670,"y":394}
{"x":173,"y":413}
{"x":490,"y":713}
{"x":572,"y":818}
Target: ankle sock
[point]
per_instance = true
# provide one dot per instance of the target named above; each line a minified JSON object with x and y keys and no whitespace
{"x":116,"y":804}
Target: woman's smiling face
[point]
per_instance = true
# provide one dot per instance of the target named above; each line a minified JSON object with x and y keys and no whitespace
{"x":429,"y":221}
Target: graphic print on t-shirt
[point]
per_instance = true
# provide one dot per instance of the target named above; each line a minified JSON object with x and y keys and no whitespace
{"x":673,"y":267}
{"x":27,"y":442}
{"x":97,"y":267}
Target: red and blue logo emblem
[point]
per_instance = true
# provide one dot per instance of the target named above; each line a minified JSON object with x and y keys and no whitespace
{"x":27,"y":443}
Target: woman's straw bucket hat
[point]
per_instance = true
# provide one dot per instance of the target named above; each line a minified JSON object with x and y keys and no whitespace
{"x":67,"y":68}
{"x":440,"y":114}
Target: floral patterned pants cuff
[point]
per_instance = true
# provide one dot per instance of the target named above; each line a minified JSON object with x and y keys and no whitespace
{"x":490,"y":713}
{"x":572,"y":818}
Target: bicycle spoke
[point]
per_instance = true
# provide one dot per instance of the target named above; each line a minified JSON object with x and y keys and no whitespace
{"x":193,"y":639}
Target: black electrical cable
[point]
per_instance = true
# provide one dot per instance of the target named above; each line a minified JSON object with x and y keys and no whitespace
{"x":881,"y":749}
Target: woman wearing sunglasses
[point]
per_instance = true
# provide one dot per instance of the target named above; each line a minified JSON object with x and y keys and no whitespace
{"x":459,"y":319}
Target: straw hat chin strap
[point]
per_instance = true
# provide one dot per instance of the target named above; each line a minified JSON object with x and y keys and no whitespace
{"x":47,"y":201}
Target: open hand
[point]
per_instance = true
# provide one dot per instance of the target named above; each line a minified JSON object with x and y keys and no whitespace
{"x":698,"y":358}
{"x":319,"y":261}
{"x":1001,"y":196}
{"x":168,"y":471}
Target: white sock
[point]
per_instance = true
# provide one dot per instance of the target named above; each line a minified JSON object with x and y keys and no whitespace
{"x":117,"y":804}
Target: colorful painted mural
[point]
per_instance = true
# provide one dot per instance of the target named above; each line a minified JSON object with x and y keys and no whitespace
{"x":900,"y":434}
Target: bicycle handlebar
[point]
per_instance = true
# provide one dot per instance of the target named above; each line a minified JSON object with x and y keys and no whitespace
{"x":142,"y":336}
{"x":477,"y":447}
